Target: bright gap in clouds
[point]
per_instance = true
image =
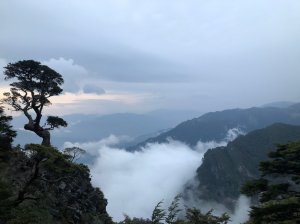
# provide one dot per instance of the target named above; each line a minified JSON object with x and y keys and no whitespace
{"x":134,"y":182}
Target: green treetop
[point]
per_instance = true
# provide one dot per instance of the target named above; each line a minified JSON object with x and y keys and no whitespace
{"x":6,"y":132}
{"x":33,"y":84}
{"x":278,"y":187}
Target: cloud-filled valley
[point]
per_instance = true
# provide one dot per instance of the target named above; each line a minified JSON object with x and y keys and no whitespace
{"x":156,"y":99}
{"x":134,"y":182}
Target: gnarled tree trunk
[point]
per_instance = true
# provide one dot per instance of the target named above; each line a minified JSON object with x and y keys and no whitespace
{"x":41,"y":132}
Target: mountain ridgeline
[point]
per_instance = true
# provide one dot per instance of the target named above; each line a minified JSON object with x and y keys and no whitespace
{"x":40,"y":184}
{"x":91,"y":128}
{"x":225,"y":169}
{"x":214,"y":126}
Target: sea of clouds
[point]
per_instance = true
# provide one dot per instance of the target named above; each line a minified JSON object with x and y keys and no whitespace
{"x":134,"y":182}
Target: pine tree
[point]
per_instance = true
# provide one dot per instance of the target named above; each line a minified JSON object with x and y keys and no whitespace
{"x":278,"y":187}
{"x":6,"y":132}
{"x":32,"y":86}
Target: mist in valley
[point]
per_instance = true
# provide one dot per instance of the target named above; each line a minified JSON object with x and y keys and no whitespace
{"x":151,"y":91}
{"x":134,"y":182}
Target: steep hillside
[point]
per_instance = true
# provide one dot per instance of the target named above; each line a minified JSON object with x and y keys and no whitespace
{"x":40,"y":185}
{"x":225,"y":169}
{"x":214,"y":125}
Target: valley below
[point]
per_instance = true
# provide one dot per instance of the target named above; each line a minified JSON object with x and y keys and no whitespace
{"x":207,"y":174}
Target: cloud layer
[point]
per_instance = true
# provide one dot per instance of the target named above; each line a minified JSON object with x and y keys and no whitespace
{"x":180,"y":54}
{"x":134,"y":182}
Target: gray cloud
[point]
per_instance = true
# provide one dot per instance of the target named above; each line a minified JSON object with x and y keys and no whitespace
{"x":73,"y":74}
{"x":89,"y":88}
{"x":134,"y":182}
{"x":221,"y":50}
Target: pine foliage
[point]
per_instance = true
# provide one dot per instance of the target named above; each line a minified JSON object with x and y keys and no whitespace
{"x":278,"y":188}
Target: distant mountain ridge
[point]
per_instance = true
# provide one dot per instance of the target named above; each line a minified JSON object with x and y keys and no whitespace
{"x":225,"y":169}
{"x":86,"y":128}
{"x":279,"y":104}
{"x":213,"y":126}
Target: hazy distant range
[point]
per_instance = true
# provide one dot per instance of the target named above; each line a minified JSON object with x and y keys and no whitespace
{"x":134,"y":128}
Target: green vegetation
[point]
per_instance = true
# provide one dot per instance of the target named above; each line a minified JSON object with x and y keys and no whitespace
{"x":278,"y":191}
{"x":173,"y":216}
{"x":6,"y":132}
{"x":33,"y":85}
{"x":225,"y":169}
{"x":173,"y":210}
{"x":41,"y":185}
{"x":195,"y":216}
{"x":278,"y":187}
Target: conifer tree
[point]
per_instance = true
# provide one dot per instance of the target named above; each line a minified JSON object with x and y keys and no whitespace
{"x":278,"y":187}
{"x":33,"y":84}
{"x":6,"y":132}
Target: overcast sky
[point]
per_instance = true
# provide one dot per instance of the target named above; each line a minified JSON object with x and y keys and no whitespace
{"x":142,"y":55}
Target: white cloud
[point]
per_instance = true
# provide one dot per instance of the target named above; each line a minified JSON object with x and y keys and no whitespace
{"x":232,"y":134}
{"x":242,"y":208}
{"x":240,"y":214}
{"x":92,"y":148}
{"x":220,"y":48}
{"x":74,"y":75}
{"x":134,"y":182}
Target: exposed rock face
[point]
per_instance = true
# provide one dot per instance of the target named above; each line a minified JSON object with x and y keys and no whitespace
{"x":40,"y":185}
{"x":225,"y":169}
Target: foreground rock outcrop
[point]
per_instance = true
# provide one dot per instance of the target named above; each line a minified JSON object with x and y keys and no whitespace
{"x":39,"y":184}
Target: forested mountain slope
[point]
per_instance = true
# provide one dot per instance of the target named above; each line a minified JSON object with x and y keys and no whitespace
{"x":225,"y":169}
{"x":41,"y":185}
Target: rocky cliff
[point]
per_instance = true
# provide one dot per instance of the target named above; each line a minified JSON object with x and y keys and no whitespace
{"x":39,"y":184}
{"x":225,"y":169}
